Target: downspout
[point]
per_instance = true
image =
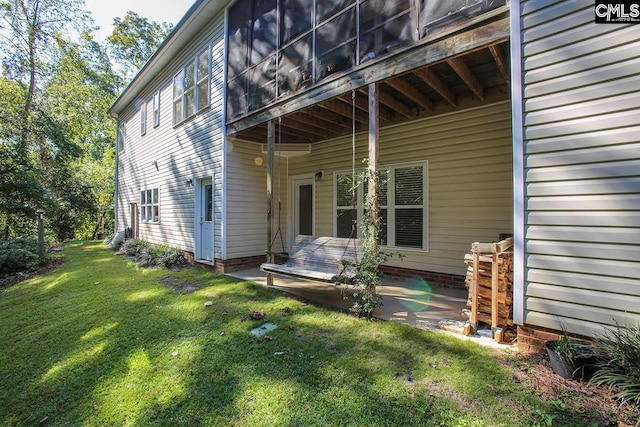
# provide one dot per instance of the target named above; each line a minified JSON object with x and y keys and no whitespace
{"x":225,"y":147}
{"x":115,"y":194}
{"x":518,"y":165}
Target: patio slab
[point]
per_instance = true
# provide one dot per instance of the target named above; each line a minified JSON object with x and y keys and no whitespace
{"x":410,"y":301}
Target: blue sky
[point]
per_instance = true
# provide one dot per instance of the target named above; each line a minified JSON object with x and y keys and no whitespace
{"x":104,"y":11}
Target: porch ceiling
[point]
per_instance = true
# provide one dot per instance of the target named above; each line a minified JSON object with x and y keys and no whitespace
{"x":467,"y":80}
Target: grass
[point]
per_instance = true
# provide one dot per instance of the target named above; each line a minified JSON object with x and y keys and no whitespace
{"x":101,"y":341}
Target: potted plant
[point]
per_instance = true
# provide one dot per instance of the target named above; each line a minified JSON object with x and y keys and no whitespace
{"x":570,"y":358}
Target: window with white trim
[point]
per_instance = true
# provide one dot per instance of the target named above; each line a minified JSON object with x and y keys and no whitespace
{"x":191,"y":87}
{"x":143,"y":119}
{"x":121,"y":137}
{"x":156,"y":109}
{"x":150,"y":205}
{"x":402,"y":203}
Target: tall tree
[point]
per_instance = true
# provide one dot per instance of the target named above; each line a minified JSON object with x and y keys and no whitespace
{"x":57,"y":146}
{"x":134,"y":39}
{"x":31,"y":26}
{"x":80,"y":91}
{"x":38,"y":144}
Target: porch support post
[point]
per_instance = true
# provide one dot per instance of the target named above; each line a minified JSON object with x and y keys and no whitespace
{"x":374,"y":144}
{"x":270,"y":157}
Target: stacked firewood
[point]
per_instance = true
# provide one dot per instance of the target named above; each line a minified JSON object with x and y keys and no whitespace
{"x":493,"y":281}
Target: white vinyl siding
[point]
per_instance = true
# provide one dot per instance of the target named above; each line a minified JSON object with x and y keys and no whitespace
{"x":581,"y":168}
{"x":247,"y":200}
{"x":170,"y":156}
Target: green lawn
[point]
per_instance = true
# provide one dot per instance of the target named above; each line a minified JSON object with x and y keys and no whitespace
{"x":102,"y":342}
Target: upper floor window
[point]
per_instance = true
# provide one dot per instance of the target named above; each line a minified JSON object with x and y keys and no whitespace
{"x":191,"y":87}
{"x":156,"y":109}
{"x":402,"y":202}
{"x":143,"y":118}
{"x":121,"y":137}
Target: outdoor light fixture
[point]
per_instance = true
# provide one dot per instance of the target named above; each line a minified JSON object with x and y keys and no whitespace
{"x":318,"y":176}
{"x":189,"y":182}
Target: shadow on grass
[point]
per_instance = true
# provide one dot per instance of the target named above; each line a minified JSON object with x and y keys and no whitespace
{"x":101,"y":341}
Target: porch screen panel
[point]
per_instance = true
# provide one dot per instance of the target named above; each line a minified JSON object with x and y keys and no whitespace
{"x":326,"y":8}
{"x":409,"y":207}
{"x":295,"y":70}
{"x":437,"y":15}
{"x":336,"y":44}
{"x":238,"y":39}
{"x":237,"y":96}
{"x":239,"y":32}
{"x":264,"y":30}
{"x":296,"y":17}
{"x":279,"y":47}
{"x":261,"y":87}
{"x":385,"y":25}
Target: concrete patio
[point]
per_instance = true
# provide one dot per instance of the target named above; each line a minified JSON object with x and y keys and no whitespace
{"x":410,"y":301}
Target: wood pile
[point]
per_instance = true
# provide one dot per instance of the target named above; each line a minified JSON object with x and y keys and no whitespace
{"x":489,"y":280}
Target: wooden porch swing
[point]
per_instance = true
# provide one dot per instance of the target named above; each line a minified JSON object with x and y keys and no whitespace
{"x":326,"y":259}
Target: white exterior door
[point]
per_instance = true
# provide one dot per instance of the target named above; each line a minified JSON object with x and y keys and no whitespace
{"x":204,"y":219}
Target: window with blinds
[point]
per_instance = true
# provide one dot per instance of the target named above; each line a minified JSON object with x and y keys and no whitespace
{"x":402,"y":204}
{"x":346,"y":206}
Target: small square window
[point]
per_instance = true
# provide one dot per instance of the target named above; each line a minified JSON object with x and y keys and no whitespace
{"x":150,"y":205}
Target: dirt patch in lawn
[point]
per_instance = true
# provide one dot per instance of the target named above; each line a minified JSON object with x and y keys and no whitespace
{"x":178,"y":285}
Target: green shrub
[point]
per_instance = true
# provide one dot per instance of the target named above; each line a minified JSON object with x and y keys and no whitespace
{"x":134,"y":247}
{"x":150,"y":255}
{"x":14,"y":261}
{"x":619,"y":362}
{"x":171,"y":258}
{"x":19,"y":255}
{"x":29,"y":243}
